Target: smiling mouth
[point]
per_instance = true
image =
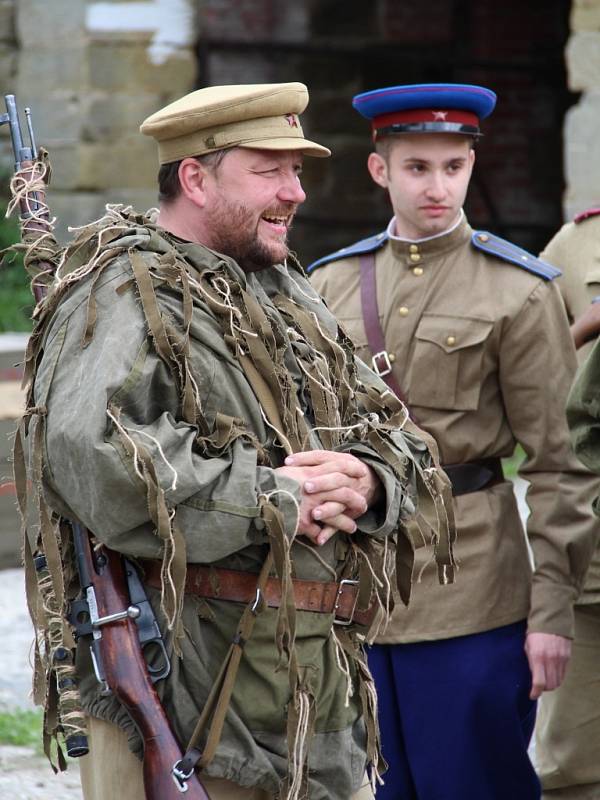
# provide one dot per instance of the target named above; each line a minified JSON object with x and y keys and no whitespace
{"x":281,"y":221}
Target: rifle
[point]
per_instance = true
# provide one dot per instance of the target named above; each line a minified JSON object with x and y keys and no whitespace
{"x":114,"y":612}
{"x":32,"y":173}
{"x":28,"y":193}
{"x":114,"y":608}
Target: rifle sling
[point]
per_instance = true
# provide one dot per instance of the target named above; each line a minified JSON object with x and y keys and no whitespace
{"x":380,"y":361}
{"x":220,"y":695}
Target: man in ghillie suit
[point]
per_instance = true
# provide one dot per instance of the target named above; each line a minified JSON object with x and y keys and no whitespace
{"x":195,"y":405}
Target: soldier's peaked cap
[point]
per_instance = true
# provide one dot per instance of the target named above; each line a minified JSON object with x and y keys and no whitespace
{"x":426,"y":108}
{"x":262,"y":116}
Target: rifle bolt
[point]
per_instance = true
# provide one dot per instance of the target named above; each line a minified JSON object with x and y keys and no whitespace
{"x":133,"y":612}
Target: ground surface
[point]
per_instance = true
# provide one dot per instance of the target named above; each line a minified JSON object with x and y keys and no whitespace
{"x":24,"y":774}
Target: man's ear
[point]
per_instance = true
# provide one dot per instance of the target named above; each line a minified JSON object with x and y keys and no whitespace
{"x":471,"y":160}
{"x":378,"y":169}
{"x":192,"y":179}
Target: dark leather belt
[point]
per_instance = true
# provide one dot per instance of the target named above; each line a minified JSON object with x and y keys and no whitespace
{"x":215,"y":583}
{"x":474,"y":475}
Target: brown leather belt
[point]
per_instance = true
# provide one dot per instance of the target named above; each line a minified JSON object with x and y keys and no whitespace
{"x":473,"y":476}
{"x":216,"y":583}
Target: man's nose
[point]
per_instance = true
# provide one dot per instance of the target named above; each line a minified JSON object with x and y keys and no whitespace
{"x":437,"y":187}
{"x":291,"y":190}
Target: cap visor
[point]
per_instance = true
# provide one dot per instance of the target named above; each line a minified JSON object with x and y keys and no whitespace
{"x":289,"y":143}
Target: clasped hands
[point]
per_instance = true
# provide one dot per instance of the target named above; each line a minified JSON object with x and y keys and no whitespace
{"x":336,"y":489}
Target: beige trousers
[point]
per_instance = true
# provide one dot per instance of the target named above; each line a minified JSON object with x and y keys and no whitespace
{"x":113,"y":771}
{"x":567,"y":749}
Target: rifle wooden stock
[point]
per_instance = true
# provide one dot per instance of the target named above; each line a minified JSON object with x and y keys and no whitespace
{"x":127,"y":676}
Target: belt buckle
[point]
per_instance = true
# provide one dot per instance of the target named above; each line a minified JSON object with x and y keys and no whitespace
{"x":387,"y":365}
{"x":344,"y":622}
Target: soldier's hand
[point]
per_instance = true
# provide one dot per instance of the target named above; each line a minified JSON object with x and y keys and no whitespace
{"x":548,"y":656}
{"x":587,"y":326}
{"x":344,"y":505}
{"x":336,"y":489}
{"x":332,"y":470}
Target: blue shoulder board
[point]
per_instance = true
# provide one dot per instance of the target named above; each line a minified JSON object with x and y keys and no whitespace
{"x":368,"y":245}
{"x":496,"y":246}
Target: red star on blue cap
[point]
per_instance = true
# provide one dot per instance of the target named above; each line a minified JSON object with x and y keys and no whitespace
{"x":426,"y":108}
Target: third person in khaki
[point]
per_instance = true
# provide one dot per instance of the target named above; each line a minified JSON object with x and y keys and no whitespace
{"x":568,"y":726}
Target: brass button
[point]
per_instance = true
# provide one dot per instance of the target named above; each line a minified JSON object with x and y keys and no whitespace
{"x":391,"y":357}
{"x":403,"y":311}
{"x":418,"y":271}
{"x":414,"y":248}
{"x":415,"y":257}
{"x":451,"y":340}
{"x":483,"y":237}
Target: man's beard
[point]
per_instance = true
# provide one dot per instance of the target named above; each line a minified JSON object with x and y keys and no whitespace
{"x":235,"y":235}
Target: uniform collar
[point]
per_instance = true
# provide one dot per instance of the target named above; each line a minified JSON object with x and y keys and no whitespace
{"x":414,"y":252}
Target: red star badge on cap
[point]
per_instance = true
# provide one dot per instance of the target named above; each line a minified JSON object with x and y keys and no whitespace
{"x":291,"y":120}
{"x":440,"y":115}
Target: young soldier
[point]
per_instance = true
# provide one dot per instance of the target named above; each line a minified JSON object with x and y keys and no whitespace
{"x":472,"y":331}
{"x":197,"y":403}
{"x":568,"y":727}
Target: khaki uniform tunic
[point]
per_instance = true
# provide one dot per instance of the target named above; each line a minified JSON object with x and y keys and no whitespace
{"x":576,"y":251}
{"x":484,"y":354}
{"x":568,"y":724}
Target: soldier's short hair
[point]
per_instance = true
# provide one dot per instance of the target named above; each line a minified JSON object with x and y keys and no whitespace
{"x":383,"y":145}
{"x":169,"y":187}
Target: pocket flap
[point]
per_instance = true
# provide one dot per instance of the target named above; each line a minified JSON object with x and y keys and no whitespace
{"x":453,"y":333}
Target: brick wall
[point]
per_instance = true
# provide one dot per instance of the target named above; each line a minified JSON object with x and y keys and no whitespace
{"x":339,"y":48}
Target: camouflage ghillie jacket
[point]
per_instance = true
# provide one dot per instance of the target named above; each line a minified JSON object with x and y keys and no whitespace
{"x":166,"y":387}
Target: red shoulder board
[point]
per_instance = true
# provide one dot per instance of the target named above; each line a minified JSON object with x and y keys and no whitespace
{"x":590,"y":212}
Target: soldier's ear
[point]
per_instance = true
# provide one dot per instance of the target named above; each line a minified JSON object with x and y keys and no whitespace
{"x":378,"y":169}
{"x":471,"y":158}
{"x":192,"y":179}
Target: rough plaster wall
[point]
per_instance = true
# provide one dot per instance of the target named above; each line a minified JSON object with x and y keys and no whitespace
{"x":8,"y":68}
{"x":582,"y":144}
{"x":91,"y":72}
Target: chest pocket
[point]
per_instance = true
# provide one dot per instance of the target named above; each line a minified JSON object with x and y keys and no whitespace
{"x":446,"y":369}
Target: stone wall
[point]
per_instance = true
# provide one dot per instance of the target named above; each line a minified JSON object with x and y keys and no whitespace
{"x":8,"y":68}
{"x":582,"y":123}
{"x":91,"y":72}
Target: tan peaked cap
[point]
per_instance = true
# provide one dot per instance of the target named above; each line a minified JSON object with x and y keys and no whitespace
{"x":263,"y":116}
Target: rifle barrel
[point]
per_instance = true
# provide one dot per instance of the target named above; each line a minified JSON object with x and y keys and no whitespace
{"x":21,"y":152}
